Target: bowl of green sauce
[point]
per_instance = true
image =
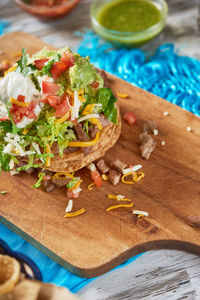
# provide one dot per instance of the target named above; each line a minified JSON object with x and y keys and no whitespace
{"x":128,"y":22}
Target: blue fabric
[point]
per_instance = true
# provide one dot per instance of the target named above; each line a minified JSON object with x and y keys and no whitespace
{"x":51,"y":271}
{"x":165,"y":74}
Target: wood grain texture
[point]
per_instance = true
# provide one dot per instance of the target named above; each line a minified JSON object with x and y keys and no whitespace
{"x":98,"y":241}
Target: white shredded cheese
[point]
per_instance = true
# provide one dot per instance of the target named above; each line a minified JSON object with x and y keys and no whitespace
{"x":77,"y":190}
{"x":189,"y":129}
{"x":14,"y":172}
{"x":75,"y":107}
{"x":91,"y":167}
{"x":140,"y":212}
{"x":88,"y":117}
{"x":155,"y":131}
{"x":13,"y":147}
{"x":120,"y":197}
{"x":166,"y":113}
{"x":69,"y":206}
{"x":133,"y":169}
{"x":98,"y":104}
{"x":163,"y":143}
{"x":11,"y":164}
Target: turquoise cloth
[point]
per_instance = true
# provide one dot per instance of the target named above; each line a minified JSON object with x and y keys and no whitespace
{"x":165,"y":74}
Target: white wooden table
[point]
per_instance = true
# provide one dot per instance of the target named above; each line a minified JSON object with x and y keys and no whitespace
{"x":163,"y":274}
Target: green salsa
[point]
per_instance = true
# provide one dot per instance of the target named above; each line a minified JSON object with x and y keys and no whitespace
{"x":129,"y":15}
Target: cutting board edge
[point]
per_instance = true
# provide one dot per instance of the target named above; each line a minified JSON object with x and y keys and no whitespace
{"x":116,"y":261}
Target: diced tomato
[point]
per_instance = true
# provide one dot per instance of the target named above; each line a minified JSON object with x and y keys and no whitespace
{"x":63,"y":108}
{"x":68,"y":58}
{"x":50,"y":88}
{"x":58,"y":68}
{"x":54,"y":101}
{"x":17,"y":117}
{"x":130,"y":117}
{"x":21,"y":98}
{"x":97,"y":178}
{"x":39,"y":63}
{"x":71,"y":194}
{"x":95,"y":84}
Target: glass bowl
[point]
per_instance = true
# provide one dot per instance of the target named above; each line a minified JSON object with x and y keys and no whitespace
{"x":45,"y":11}
{"x":129,"y":39}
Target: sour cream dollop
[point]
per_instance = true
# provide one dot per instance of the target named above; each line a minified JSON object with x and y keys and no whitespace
{"x":13,"y":85}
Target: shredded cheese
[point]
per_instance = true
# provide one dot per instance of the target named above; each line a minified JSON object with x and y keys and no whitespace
{"x":63,"y":119}
{"x":88,"y":109}
{"x":12,"y":69}
{"x":97,"y":122}
{"x":48,"y":160}
{"x":76,"y":213}
{"x":132,"y":169}
{"x":62,"y":175}
{"x":85,"y":144}
{"x":140,"y":213}
{"x":19,"y":103}
{"x":122,"y":95}
{"x":69,"y":206}
{"x":90,"y":186}
{"x":138,"y":176}
{"x":118,"y":197}
{"x":125,"y":175}
{"x":118,"y":206}
{"x":77,"y":190}
{"x":88,"y":117}
{"x":104,"y":177}
{"x":25,"y":131}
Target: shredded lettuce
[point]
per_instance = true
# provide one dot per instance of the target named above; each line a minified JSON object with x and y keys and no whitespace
{"x":4,"y":160}
{"x":39,"y":181}
{"x":28,"y":166}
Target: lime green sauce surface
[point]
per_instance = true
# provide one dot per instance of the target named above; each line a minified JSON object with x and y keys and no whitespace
{"x":129,"y":15}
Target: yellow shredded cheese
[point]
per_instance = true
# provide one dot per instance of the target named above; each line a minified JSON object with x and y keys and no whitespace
{"x":12,"y":69}
{"x":16,"y":54}
{"x":97,"y":122}
{"x":122,"y":95}
{"x":25,"y":131}
{"x":75,"y":214}
{"x":125,"y":175}
{"x":138,"y":176}
{"x":85,"y":144}
{"x":48,"y":160}
{"x":62,"y":175}
{"x":88,"y":109}
{"x":104,"y":177}
{"x":19,"y":103}
{"x":118,"y":206}
{"x":70,"y":92}
{"x":63,"y":119}
{"x":118,"y":197}
{"x":90,"y":186}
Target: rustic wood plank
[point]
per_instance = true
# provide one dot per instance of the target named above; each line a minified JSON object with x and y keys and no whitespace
{"x":169,"y":192}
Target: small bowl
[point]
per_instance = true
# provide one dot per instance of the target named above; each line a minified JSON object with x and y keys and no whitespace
{"x":128,"y":39}
{"x":44,"y":11}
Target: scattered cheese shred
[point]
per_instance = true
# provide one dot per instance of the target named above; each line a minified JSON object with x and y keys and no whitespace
{"x":132,"y":169}
{"x":69,"y":206}
{"x":97,"y":122}
{"x":122,"y":95}
{"x":19,"y":103}
{"x":125,"y":175}
{"x":138,"y":176}
{"x":62,"y":175}
{"x":63,"y":119}
{"x":118,"y":206}
{"x":140,"y":213}
{"x":90,"y":116}
{"x":48,"y":160}
{"x":88,"y":109}
{"x":85,"y":144}
{"x":16,"y":54}
{"x":104,"y":177}
{"x":118,"y":197}
{"x":75,"y":214}
{"x":12,"y":69}
{"x":90,"y":186}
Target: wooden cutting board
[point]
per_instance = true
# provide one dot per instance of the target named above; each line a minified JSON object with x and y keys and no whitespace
{"x":97,"y":241}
